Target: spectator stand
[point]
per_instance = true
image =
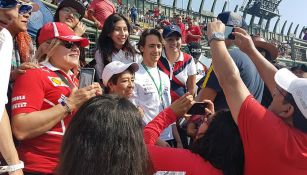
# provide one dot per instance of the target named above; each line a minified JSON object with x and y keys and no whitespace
{"x":292,"y":50}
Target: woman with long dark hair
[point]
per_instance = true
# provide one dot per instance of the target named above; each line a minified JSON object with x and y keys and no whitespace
{"x":114,"y":43}
{"x":106,"y":137}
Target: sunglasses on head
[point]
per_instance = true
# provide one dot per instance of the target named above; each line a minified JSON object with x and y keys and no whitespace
{"x":25,"y":8}
{"x":70,"y":45}
{"x":6,"y":4}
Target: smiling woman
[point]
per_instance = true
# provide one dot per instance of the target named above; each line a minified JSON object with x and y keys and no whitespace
{"x":118,"y":78}
{"x":115,"y":32}
{"x":43,"y":101}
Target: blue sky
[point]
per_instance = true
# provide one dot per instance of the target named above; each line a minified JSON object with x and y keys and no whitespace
{"x":290,"y":10}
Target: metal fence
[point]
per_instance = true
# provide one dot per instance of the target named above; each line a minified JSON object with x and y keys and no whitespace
{"x":298,"y":48}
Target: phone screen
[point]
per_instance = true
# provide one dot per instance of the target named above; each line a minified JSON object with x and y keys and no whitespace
{"x":198,"y":109}
{"x":86,"y":77}
{"x":228,"y":32}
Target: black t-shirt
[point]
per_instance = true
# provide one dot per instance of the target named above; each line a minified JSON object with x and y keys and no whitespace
{"x":248,"y":73}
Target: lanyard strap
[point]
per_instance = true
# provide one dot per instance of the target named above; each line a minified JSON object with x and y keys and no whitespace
{"x":64,"y":79}
{"x":160,"y":87}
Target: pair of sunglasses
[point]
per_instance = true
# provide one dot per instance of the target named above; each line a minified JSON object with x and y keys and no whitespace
{"x":70,"y":45}
{"x":7,"y":4}
{"x":25,"y":8}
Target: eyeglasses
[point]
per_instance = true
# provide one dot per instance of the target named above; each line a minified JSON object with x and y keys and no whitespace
{"x":67,"y":10}
{"x":6,"y":4}
{"x":70,"y":45}
{"x":25,"y":8}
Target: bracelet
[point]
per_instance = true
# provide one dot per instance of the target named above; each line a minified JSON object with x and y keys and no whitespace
{"x":11,"y":168}
{"x":67,"y":108}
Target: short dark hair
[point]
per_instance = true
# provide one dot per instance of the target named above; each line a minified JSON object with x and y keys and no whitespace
{"x":147,"y":32}
{"x":221,"y":144}
{"x":299,"y":120}
{"x":105,"y":137}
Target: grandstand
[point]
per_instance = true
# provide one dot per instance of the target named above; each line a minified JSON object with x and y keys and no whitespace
{"x":292,"y":49}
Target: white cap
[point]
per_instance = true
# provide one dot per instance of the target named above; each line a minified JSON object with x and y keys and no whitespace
{"x":116,"y":67}
{"x":297,"y":87}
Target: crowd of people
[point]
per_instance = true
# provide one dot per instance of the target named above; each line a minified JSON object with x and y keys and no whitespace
{"x":136,"y":117}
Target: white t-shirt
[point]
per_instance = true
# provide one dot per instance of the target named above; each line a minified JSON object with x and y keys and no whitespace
{"x":121,"y":56}
{"x":147,"y":97}
{"x":6,"y":47}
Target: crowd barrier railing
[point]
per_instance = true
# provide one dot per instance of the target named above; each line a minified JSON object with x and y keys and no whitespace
{"x":298,"y":47}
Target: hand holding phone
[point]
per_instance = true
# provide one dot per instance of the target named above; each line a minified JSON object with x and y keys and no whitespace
{"x":228,"y":32}
{"x":86,"y":77}
{"x":198,"y":108}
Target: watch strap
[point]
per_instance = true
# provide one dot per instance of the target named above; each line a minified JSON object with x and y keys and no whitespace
{"x":11,"y":168}
{"x":219,"y":36}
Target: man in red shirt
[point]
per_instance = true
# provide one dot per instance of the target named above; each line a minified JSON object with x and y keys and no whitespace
{"x":274,"y":139}
{"x":99,"y":11}
{"x":178,"y":22}
{"x":193,"y":33}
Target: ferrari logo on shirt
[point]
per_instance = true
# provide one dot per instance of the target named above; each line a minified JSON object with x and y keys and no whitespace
{"x":56,"y":81}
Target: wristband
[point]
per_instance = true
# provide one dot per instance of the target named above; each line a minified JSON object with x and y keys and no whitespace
{"x":11,"y":168}
{"x":67,"y":108}
{"x":62,"y":101}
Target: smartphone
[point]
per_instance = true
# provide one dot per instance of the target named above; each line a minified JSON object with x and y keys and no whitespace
{"x":228,"y":32}
{"x":86,"y":77}
{"x":198,"y":108}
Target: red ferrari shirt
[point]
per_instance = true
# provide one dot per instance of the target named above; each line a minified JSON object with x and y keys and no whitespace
{"x":37,"y":90}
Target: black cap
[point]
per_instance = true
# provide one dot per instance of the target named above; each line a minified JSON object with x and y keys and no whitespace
{"x":232,"y":19}
{"x":171,"y":29}
{"x":73,"y":4}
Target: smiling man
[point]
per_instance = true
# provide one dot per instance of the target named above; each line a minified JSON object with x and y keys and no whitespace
{"x":152,"y":86}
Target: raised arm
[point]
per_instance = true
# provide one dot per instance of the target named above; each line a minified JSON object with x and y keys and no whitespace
{"x":266,"y":69}
{"x":227,"y":72}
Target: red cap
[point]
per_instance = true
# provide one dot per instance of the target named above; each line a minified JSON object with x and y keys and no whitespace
{"x":61,"y":31}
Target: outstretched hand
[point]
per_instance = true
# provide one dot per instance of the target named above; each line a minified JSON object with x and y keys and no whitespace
{"x":244,"y":41}
{"x":183,"y":104}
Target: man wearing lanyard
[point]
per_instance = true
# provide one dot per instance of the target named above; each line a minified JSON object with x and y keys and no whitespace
{"x":152,"y":86}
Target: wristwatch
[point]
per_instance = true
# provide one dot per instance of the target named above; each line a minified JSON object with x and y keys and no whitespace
{"x":219,"y":36}
{"x":11,"y":168}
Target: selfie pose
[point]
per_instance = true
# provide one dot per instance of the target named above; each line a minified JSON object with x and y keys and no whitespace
{"x":211,"y":88}
{"x":45,"y":99}
{"x":110,"y":150}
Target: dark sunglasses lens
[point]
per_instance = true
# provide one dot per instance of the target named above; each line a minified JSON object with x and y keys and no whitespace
{"x":8,"y":3}
{"x":69,"y":45}
{"x":25,"y":9}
